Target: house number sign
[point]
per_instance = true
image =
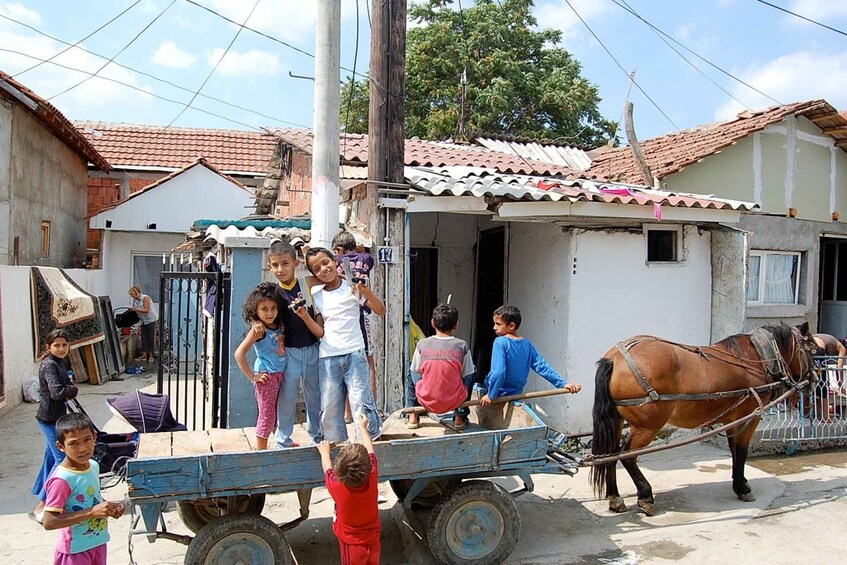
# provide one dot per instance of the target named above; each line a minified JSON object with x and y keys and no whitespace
{"x":387,"y":254}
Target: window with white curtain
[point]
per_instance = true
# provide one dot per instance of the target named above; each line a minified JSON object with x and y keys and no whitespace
{"x":773,"y":277}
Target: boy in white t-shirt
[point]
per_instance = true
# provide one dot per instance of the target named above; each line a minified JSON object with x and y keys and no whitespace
{"x":343,"y":361}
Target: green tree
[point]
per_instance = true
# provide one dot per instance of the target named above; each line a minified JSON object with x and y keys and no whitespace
{"x":518,"y":80}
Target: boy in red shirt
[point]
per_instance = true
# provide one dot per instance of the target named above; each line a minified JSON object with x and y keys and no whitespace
{"x":352,"y":483}
{"x":442,"y":370}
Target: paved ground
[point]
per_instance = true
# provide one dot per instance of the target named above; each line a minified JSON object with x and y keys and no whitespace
{"x":799,"y":514}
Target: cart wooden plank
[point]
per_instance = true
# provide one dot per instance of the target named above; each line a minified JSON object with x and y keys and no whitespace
{"x":191,"y":443}
{"x":154,"y":445}
{"x":224,"y":441}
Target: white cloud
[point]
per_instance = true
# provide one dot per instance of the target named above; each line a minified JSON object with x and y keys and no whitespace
{"x":95,"y":97}
{"x":557,"y":14}
{"x":288,"y":19}
{"x":820,"y":10}
{"x":253,"y":62}
{"x":20,"y":13}
{"x":795,"y":77}
{"x":169,"y":55}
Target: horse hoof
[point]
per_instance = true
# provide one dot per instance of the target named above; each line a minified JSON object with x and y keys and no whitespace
{"x":747,"y":497}
{"x":647,"y":507}
{"x":617,"y":505}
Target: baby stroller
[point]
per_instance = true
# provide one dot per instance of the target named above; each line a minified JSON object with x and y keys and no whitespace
{"x":125,"y":318}
{"x":147,"y":413}
{"x":111,"y":451}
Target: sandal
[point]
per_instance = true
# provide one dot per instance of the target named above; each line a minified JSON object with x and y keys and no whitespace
{"x":411,"y":425}
{"x":460,"y":425}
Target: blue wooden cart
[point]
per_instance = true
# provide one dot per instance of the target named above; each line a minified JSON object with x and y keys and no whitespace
{"x":219,"y":482}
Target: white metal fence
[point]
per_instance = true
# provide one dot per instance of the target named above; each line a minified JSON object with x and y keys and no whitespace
{"x":819,"y":414}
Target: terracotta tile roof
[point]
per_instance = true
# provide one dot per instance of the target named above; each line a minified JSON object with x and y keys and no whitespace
{"x":131,"y":145}
{"x":52,"y":119}
{"x":671,"y":153}
{"x":419,"y":152}
{"x":173,"y":175}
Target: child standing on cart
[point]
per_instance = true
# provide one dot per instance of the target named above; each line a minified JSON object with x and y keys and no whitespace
{"x":442,"y":370}
{"x":343,"y":362}
{"x":352,"y":483}
{"x":74,"y":503}
{"x":302,"y":334}
{"x":513,"y":356}
{"x":263,"y":305}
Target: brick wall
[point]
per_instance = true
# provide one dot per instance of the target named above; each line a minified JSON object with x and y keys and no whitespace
{"x":104,"y":191}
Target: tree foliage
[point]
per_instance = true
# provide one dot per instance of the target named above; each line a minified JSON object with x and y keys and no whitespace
{"x":518,"y":80}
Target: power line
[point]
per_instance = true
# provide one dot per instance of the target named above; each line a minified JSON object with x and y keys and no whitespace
{"x":810,"y":20}
{"x":194,"y":97}
{"x":145,"y":28}
{"x":628,"y":8}
{"x":708,"y":62}
{"x":623,"y":70}
{"x":133,"y":87}
{"x":142,"y":73}
{"x":71,"y":46}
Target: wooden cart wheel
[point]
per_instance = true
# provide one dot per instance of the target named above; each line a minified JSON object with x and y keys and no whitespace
{"x":476,"y":523}
{"x":240,"y":539}
{"x":196,"y":514}
{"x":430,"y":495}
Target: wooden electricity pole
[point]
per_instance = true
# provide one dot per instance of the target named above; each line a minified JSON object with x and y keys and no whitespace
{"x":387,"y":219}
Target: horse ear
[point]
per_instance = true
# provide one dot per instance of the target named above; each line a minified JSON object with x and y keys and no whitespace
{"x":804,"y":329}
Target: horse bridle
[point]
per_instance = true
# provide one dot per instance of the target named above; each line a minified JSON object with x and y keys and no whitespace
{"x":806,"y":346}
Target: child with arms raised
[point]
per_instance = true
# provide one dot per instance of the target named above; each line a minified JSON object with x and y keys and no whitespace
{"x":343,"y":364}
{"x":263,"y":305}
{"x":352,"y":483}
{"x":74,"y":503}
{"x":442,"y":370}
{"x":513,"y":356}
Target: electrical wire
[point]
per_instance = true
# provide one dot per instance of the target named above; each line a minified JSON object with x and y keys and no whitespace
{"x":708,"y":62}
{"x":638,"y":86}
{"x":810,"y":20}
{"x":142,"y":73}
{"x":628,"y":8}
{"x":133,"y":87}
{"x":71,"y":46}
{"x":145,"y":28}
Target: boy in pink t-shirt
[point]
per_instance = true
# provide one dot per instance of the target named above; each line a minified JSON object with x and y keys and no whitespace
{"x":442,"y":370}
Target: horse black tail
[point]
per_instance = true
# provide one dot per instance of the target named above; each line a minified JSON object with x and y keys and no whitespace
{"x":606,"y":420}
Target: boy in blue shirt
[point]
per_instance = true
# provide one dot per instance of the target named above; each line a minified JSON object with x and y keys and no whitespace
{"x":512,"y":357}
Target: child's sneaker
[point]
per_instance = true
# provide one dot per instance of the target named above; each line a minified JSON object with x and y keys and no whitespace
{"x":460,"y":422}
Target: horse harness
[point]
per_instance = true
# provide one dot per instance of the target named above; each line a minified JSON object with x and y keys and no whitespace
{"x":772,"y":361}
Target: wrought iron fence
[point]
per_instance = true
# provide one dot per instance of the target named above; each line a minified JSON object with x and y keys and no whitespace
{"x":193,"y":342}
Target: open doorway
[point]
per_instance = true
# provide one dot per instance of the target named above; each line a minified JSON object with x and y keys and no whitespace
{"x":832,"y":318}
{"x":423,"y":285}
{"x":490,"y":292}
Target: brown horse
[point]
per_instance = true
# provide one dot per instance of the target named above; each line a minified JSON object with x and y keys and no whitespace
{"x":650,"y":382}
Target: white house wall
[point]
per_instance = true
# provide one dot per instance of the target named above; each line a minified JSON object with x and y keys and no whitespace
{"x":174,"y":205}
{"x":574,"y":319}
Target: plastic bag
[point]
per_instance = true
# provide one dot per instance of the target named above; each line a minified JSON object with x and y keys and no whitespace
{"x":32,"y":392}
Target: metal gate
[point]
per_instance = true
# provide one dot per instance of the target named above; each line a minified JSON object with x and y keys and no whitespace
{"x":818,"y":415}
{"x":194,"y":346}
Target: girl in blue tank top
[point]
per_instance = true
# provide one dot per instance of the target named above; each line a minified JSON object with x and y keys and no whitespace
{"x":263,"y":305}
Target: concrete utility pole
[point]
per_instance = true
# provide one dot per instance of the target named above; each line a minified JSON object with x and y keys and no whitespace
{"x":327,"y":125}
{"x":387,"y":217}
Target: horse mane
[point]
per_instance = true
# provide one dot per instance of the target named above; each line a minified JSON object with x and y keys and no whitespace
{"x":782,"y":335}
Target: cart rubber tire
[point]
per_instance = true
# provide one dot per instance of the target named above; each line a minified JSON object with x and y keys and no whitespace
{"x":240,"y":539}
{"x":476,"y":523}
{"x":430,"y":495}
{"x":197,"y":514}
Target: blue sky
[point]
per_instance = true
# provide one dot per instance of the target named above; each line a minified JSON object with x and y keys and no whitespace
{"x":787,"y":59}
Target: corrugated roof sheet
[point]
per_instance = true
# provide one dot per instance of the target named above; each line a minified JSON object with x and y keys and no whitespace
{"x":420,"y":152}
{"x":52,"y":119}
{"x":670,"y":153}
{"x":454,"y":181}
{"x":132,"y":145}
{"x":566,"y":156}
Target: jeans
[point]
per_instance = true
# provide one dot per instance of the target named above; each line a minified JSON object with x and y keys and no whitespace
{"x":52,"y":457}
{"x":301,"y":370}
{"x":415,"y":378}
{"x":340,"y":374}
